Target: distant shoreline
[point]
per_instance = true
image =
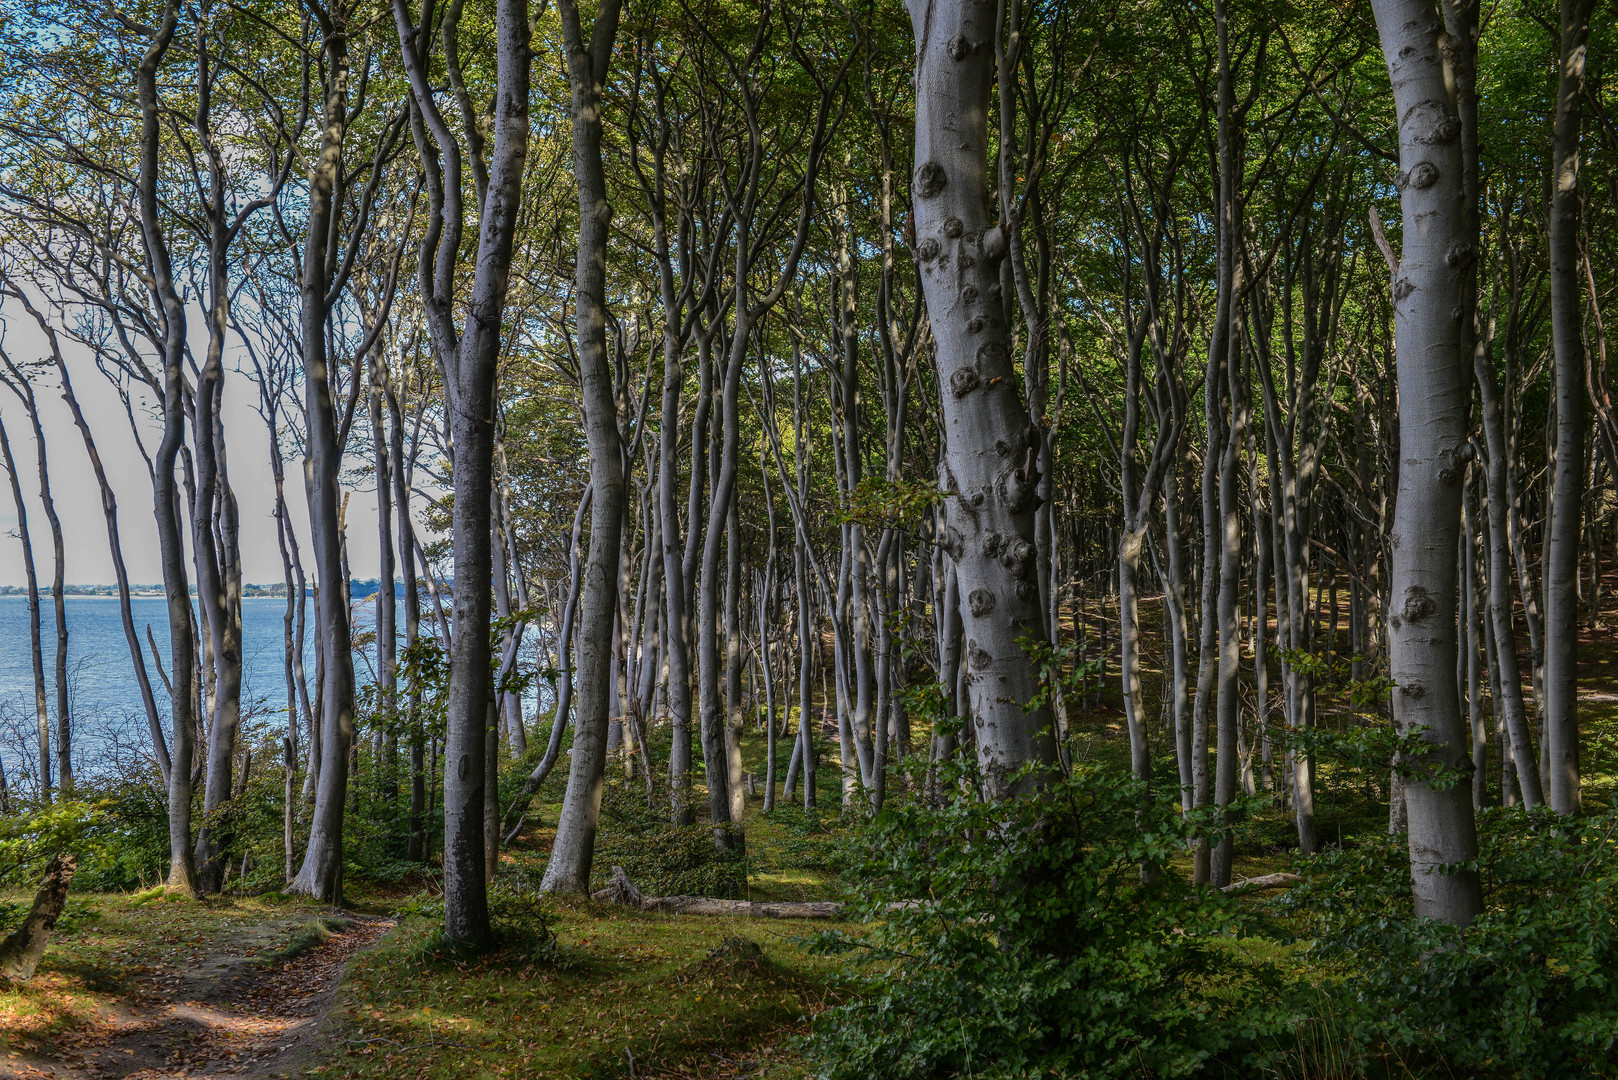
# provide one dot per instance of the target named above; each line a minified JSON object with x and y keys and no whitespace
{"x":358,"y":590}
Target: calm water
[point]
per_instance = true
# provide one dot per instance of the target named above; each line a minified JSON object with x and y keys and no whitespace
{"x":103,"y":693}
{"x":109,"y":723}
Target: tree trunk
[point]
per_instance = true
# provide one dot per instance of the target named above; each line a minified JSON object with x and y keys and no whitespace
{"x":991,"y":450}
{"x":1427,"y":287}
{"x":735,"y":713}
{"x":42,"y":718}
{"x":165,"y":500}
{"x":21,"y":952}
{"x":415,"y":846}
{"x":1561,"y":721}
{"x":587,"y":58}
{"x":387,"y":608}
{"x":321,"y":874}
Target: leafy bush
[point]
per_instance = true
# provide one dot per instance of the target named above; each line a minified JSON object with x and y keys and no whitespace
{"x":31,"y":838}
{"x":664,"y":860}
{"x":75,"y":914}
{"x":521,"y":918}
{"x":1527,"y":990}
{"x":1019,"y":939}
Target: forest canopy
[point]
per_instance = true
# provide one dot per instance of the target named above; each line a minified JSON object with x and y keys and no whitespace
{"x":1135,"y":477}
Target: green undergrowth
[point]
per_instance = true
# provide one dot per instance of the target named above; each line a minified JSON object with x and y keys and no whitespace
{"x":678,"y":996}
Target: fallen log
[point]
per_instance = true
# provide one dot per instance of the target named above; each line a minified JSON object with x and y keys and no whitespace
{"x":626,"y":892}
{"x":1268,"y":881}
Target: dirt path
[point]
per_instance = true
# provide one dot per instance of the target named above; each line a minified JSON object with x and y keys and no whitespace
{"x":217,"y":1013}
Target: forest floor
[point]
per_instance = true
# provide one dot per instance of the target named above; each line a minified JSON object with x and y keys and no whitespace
{"x":147,"y":987}
{"x":143,"y":987}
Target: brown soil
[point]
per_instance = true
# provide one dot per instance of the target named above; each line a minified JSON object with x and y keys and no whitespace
{"x":220,"y":1013}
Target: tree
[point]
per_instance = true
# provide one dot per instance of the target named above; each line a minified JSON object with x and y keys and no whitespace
{"x":1567,"y":489}
{"x":1426,"y":284}
{"x":990,"y":469}
{"x":468,"y":358}
{"x":588,"y":52}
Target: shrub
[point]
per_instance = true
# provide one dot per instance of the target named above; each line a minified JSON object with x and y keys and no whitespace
{"x":521,"y":918}
{"x":1019,"y":939}
{"x":1527,"y":990}
{"x":663,"y":859}
{"x":126,"y":846}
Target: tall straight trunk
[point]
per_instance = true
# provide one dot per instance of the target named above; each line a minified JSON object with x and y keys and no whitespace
{"x":1229,"y":697}
{"x":214,"y":546}
{"x":42,"y":716}
{"x":1506,"y":678}
{"x":991,"y":449}
{"x":1132,"y":538}
{"x":806,"y":656}
{"x":735,"y":715}
{"x":469,"y":359}
{"x":1216,"y":437}
{"x":387,"y":608}
{"x":766,"y":663}
{"x":766,"y":589}
{"x":1509,"y":795}
{"x":1261,"y":594}
{"x":715,"y":755}
{"x":1427,"y":286}
{"x":677,"y":655}
{"x":415,"y":846}
{"x":64,"y":722}
{"x":503,"y":569}
{"x":1561,"y":721}
{"x":1140,"y":761}
{"x":165,"y":496}
{"x":1289,"y":505}
{"x":855,"y":601}
{"x":1179,"y":628}
{"x":886,"y":722}
{"x":289,"y":656}
{"x":1227,"y":536}
{"x":1472,"y":620}
{"x":1509,"y":703}
{"x":946,"y":742}
{"x":321,"y":873}
{"x":587,"y":58}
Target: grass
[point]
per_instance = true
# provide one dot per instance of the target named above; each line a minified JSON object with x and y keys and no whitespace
{"x":664,"y":989}
{"x":664,"y":992}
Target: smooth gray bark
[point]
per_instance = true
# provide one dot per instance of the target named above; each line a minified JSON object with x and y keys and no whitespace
{"x":991,"y":450}
{"x":42,"y":717}
{"x":1561,"y":719}
{"x":588,"y":54}
{"x":321,"y":873}
{"x":468,"y":356}
{"x":165,"y":496}
{"x":1427,"y":286}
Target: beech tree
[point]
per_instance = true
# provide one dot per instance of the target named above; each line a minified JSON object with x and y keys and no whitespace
{"x":1426,"y":283}
{"x":991,"y":451}
{"x":723,"y":428}
{"x":468,"y":356}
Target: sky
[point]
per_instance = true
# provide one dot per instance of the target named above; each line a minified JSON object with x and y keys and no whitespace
{"x":77,"y":498}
